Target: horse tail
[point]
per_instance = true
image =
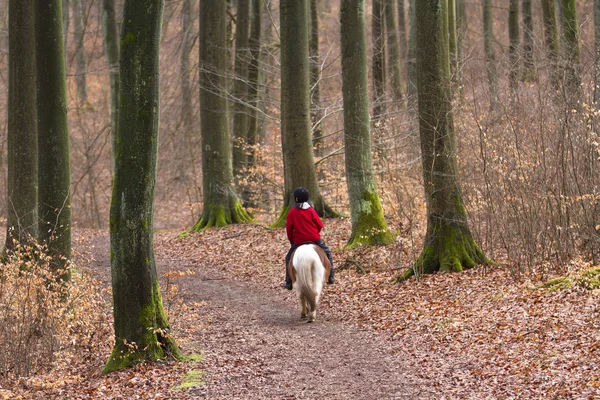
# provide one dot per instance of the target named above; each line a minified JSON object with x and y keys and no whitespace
{"x":310,"y":274}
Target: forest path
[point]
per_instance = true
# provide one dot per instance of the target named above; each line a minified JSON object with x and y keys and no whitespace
{"x":255,"y":345}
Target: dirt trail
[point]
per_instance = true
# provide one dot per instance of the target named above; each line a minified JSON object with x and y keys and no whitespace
{"x":256,"y":347}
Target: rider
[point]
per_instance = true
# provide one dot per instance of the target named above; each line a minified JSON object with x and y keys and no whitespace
{"x":303,"y":226}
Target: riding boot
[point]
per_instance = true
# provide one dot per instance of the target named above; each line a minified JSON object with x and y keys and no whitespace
{"x":288,"y":280}
{"x":322,"y":245}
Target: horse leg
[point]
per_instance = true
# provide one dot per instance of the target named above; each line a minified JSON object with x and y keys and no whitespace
{"x":312,"y":313}
{"x":303,"y":304}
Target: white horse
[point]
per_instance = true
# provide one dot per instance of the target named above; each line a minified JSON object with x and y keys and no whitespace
{"x":308,"y":269}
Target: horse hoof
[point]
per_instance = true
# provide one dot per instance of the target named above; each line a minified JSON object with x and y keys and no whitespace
{"x":310,"y":320}
{"x":303,"y":316}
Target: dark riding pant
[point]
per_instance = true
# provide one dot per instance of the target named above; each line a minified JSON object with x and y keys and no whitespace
{"x":293,"y":247}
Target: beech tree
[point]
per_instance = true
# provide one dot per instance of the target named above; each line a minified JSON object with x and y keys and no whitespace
{"x":296,"y":138}
{"x":449,"y":244}
{"x":393,"y":50}
{"x":452,"y":39}
{"x":597,"y":51}
{"x":529,"y":69}
{"x":111,"y":49}
{"x":80,"y":54}
{"x":490,"y":54}
{"x":378,"y":67}
{"x":54,"y":176}
{"x":315,"y":76}
{"x":240,"y":87}
{"x":253,"y":79}
{"x":142,"y":330}
{"x":551,"y":38}
{"x":570,"y":47}
{"x":368,"y":222}
{"x":411,"y":89}
{"x":514,"y":38}
{"x":221,"y":204}
{"x":402,"y":36}
{"x":21,"y":191}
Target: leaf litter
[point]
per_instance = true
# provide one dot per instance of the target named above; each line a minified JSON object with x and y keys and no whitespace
{"x":480,"y":334}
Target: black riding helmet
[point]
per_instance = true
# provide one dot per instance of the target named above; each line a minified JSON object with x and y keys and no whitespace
{"x":301,"y":195}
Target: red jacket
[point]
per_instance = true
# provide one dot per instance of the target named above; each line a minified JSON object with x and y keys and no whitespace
{"x":303,"y":225}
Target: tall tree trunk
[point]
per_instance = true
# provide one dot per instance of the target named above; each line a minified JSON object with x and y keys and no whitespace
{"x":221,"y":204}
{"x":21,"y":191}
{"x":240,"y":88}
{"x":187,"y":28}
{"x":368,"y":222}
{"x":298,"y":161}
{"x":80,"y":56}
{"x":393,"y":50}
{"x":551,"y":39}
{"x":449,"y":244}
{"x":402,"y":36}
{"x":54,"y":178}
{"x":378,"y":60}
{"x":452,"y":39}
{"x":254,"y":80}
{"x":142,"y":331}
{"x":529,"y":68}
{"x":597,"y":51}
{"x":461,"y":31}
{"x":490,"y":54}
{"x":315,"y":76}
{"x":412,"y":56}
{"x":514,"y":37}
{"x":570,"y":48}
{"x":111,"y":49}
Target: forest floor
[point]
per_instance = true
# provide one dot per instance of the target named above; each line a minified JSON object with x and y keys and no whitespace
{"x":482,"y":334}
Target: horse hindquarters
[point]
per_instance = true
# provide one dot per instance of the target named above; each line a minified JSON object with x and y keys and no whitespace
{"x":309,"y":280}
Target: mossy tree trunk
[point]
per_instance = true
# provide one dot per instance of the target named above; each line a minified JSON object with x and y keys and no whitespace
{"x":393,"y":50}
{"x":142,"y":331}
{"x":513,"y":49}
{"x":449,"y":244}
{"x":240,"y":89}
{"x":411,"y":88}
{"x":54,"y":178}
{"x":570,"y":49}
{"x":296,"y":138}
{"x":529,"y":68}
{"x":378,"y":67}
{"x":315,"y":76}
{"x":111,"y":49}
{"x":490,"y":54}
{"x":221,"y":204}
{"x":80,"y":56}
{"x":597,"y":52}
{"x":551,"y":39}
{"x":21,"y":191}
{"x":368,"y":222}
{"x":254,"y":80}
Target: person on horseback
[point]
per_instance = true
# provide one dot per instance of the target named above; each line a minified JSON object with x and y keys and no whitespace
{"x":303,"y":226}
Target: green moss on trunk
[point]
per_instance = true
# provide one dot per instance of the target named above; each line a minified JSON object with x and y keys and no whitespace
{"x":371,"y":228}
{"x":280,"y":222}
{"x":449,"y":247}
{"x":219,"y":216}
{"x":150,"y":341}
